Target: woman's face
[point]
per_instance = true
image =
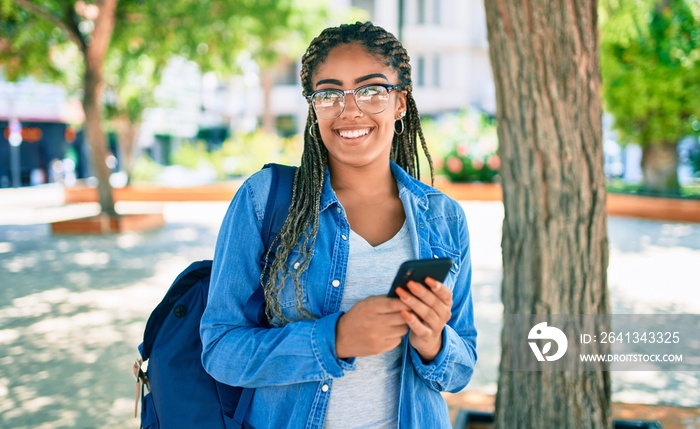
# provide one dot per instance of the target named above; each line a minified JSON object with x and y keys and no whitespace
{"x":356,"y":138}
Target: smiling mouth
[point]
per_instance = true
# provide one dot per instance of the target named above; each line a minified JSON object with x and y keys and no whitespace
{"x":353,"y":134}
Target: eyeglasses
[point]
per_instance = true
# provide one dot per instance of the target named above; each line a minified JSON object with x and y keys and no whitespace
{"x":371,"y":99}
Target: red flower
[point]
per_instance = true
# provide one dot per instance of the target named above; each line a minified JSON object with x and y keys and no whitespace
{"x":478,"y":164}
{"x":454,"y":164}
{"x":494,"y":162}
{"x":462,"y":149}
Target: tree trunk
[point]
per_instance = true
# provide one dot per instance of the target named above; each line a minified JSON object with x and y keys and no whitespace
{"x":267,"y":80}
{"x":95,"y":52}
{"x":555,"y":251}
{"x":126,"y":133}
{"x":660,"y":168}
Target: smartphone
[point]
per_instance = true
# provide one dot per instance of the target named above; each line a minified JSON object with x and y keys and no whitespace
{"x":417,"y":270}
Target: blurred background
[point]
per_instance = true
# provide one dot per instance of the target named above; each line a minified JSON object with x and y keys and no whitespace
{"x":203,"y":93}
{"x":216,"y":95}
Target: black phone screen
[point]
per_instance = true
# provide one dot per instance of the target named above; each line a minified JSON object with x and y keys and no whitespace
{"x":418,"y":269}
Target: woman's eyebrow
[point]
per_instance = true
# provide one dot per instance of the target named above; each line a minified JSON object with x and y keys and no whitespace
{"x":358,"y":80}
{"x":371,"y":76}
{"x":329,"y":81}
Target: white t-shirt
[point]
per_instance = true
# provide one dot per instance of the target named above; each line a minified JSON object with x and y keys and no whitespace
{"x":369,"y":396}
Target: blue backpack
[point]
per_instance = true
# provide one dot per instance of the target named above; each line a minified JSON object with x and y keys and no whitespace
{"x":175,"y":390}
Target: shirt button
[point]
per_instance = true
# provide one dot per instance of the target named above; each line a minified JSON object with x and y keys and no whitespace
{"x":296,"y":265}
{"x":324,"y":388}
{"x":336,"y":283}
{"x":344,"y":237}
{"x":338,"y":209}
{"x":435,"y":256}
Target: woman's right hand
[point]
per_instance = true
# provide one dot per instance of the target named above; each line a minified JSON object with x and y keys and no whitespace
{"x":372,"y":326}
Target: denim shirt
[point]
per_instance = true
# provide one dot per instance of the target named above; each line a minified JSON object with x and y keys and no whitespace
{"x":292,"y":367}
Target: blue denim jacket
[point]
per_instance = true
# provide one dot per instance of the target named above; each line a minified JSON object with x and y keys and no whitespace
{"x":292,"y":367}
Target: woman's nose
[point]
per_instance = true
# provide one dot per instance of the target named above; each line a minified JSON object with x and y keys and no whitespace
{"x":352,"y":109}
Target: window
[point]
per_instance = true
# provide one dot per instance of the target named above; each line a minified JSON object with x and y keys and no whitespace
{"x":367,"y":5}
{"x":421,"y":11}
{"x":420,"y":71}
{"x":287,"y":74}
{"x":436,"y":11}
{"x":436,"y":71}
{"x":286,"y":125}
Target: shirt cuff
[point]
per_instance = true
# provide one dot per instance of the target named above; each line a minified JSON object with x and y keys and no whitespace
{"x":323,"y":345}
{"x":433,"y":371}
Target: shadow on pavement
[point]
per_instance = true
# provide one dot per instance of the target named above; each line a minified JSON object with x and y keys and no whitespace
{"x":72,"y":312}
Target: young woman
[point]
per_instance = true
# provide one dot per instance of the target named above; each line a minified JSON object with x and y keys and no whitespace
{"x":338,"y":352}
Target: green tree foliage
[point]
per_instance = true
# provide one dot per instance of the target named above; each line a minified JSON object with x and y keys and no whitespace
{"x":32,"y":32}
{"x":650,"y":61}
{"x":39,"y":38}
{"x":276,"y":36}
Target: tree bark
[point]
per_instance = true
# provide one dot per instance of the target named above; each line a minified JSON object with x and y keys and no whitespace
{"x":94,"y":53}
{"x":660,"y":168}
{"x":126,"y":134}
{"x":267,"y":81}
{"x":544,"y":54}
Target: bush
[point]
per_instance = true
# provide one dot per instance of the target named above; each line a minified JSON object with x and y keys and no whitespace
{"x":244,"y":154}
{"x":192,"y":156}
{"x":240,"y":155}
{"x":467,"y":168}
{"x":145,"y":170}
{"x":464,"y":146}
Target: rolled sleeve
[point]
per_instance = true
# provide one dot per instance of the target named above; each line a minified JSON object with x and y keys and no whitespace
{"x":323,"y":344}
{"x":453,"y":367}
{"x":446,"y":372}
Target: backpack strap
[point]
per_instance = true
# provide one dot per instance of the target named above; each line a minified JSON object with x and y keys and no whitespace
{"x":242,"y":407}
{"x":278,"y":202}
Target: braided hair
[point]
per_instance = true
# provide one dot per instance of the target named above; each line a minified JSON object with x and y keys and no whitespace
{"x":301,"y":226}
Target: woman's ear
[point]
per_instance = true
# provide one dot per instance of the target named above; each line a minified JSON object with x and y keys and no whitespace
{"x":400,"y":109}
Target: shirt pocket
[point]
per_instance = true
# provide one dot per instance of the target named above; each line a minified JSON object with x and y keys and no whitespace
{"x":439,"y":250}
{"x":444,"y":242}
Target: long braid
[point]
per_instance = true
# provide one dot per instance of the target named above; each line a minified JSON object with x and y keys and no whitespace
{"x":301,"y":226}
{"x":303,"y":212}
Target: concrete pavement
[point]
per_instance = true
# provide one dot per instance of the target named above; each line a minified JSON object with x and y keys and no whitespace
{"x":73,"y":308}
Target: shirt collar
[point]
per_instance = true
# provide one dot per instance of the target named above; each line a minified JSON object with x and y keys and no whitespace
{"x":416,"y":189}
{"x":328,"y":197}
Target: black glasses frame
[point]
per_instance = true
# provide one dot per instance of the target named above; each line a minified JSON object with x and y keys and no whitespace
{"x":343,"y":92}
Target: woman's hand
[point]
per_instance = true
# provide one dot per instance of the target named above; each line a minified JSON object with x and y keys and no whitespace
{"x":372,"y":326}
{"x":430,"y":308}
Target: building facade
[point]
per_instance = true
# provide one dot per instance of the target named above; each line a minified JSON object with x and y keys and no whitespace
{"x":43,"y":114}
{"x":446,"y":39}
{"x":447,"y":42}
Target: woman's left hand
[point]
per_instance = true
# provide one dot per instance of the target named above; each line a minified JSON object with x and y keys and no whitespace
{"x":430,"y":309}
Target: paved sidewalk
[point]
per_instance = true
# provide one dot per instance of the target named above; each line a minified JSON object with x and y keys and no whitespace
{"x":73,"y":308}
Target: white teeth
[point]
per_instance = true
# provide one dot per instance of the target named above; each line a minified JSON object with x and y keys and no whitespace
{"x":353,"y":134}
